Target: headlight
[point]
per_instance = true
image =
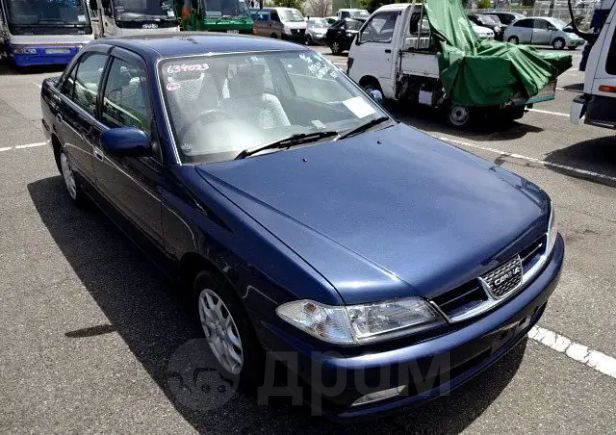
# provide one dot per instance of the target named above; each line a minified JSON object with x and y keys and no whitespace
{"x":552,"y":230}
{"x":25,"y":50}
{"x":354,"y":324}
{"x":287,"y":31}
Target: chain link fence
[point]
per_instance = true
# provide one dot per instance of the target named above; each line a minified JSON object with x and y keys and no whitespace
{"x":582,"y":9}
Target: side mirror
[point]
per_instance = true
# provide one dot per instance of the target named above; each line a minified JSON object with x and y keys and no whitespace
{"x":126,"y":141}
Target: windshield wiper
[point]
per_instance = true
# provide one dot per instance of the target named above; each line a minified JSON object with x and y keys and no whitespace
{"x":363,"y":127}
{"x":296,"y":139}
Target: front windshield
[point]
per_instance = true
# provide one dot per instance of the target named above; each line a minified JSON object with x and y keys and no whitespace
{"x":318,"y":23}
{"x":487,"y":19}
{"x":225,"y":8}
{"x":292,"y":15}
{"x":221,"y":105}
{"x":494,"y":18}
{"x":47,"y":12}
{"x":359,"y":13}
{"x":134,"y":9}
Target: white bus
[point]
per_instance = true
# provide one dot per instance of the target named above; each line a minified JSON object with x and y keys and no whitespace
{"x":134,"y":17}
{"x":43,"y":32}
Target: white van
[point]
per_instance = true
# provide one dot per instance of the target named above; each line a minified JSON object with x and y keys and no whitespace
{"x":597,"y":105}
{"x":396,"y":55}
{"x":281,"y":23}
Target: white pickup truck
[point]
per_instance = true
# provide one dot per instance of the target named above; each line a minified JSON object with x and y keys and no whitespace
{"x":395,"y":53}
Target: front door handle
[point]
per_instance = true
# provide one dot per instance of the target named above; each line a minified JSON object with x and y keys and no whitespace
{"x":59,"y":118}
{"x":387,"y":50}
{"x":98,"y":153}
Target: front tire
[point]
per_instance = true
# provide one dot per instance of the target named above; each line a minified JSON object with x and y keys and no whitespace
{"x":228,"y":331}
{"x":336,"y":48}
{"x":513,"y":40}
{"x":70,"y":180}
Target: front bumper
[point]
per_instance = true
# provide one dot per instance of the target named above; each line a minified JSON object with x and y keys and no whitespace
{"x":295,"y":37}
{"x":44,"y":55}
{"x":426,"y":369}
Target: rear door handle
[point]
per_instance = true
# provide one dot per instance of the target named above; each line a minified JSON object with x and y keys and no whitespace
{"x":98,"y":153}
{"x":59,"y":118}
{"x":387,"y":50}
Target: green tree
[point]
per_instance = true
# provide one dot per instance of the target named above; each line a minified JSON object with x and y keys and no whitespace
{"x":297,"y":4}
{"x":373,"y":5}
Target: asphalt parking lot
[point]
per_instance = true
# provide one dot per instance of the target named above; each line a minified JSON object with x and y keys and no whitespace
{"x":92,"y":338}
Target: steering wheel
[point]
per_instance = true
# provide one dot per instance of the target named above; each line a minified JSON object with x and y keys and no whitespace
{"x":209,"y":115}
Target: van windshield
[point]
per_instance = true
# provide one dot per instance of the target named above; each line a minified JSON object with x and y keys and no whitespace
{"x":292,"y":15}
{"x":226,"y":8}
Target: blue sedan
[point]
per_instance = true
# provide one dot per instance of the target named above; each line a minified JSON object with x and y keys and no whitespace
{"x":380,"y":265}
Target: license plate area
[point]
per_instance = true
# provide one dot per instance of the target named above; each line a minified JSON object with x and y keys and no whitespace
{"x":57,"y":50}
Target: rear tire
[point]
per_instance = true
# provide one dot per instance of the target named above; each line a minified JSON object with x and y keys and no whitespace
{"x":273,"y":35}
{"x":459,"y":116}
{"x":228,"y":331}
{"x":70,"y":179}
{"x":559,"y":44}
{"x":513,"y":40}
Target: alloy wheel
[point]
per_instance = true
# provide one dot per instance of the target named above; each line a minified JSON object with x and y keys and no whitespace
{"x":221,"y":331}
{"x":335,"y":47}
{"x":69,"y":176}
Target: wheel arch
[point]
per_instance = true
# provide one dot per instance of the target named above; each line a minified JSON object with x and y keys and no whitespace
{"x":369,"y":80}
{"x":192,"y":263}
{"x":57,"y":147}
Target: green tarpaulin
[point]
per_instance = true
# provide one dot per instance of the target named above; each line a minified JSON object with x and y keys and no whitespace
{"x":486,"y":73}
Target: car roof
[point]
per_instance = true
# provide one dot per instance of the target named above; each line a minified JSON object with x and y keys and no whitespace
{"x":194,"y":43}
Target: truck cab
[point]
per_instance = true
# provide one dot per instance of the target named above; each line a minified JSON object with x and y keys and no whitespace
{"x":597,"y":105}
{"x":134,"y":17}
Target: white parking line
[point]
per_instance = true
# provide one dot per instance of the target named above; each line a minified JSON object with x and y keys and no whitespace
{"x":579,"y":171}
{"x":547,"y":112}
{"x":592,"y":358}
{"x":38,"y":85}
{"x":21,"y":147}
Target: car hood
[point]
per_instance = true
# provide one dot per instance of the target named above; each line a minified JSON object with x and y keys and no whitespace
{"x":387,"y":213}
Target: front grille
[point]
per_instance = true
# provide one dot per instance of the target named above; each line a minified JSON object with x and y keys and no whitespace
{"x":298,"y":31}
{"x":461,"y":299}
{"x":482,"y":293}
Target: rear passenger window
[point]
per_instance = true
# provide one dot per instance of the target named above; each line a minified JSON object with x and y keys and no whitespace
{"x":610,"y":65}
{"x":524,"y":23}
{"x":87,"y":81}
{"x":125,"y":102}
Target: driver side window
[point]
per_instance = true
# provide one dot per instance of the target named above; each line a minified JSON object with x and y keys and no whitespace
{"x":125,"y":102}
{"x":380,"y":28}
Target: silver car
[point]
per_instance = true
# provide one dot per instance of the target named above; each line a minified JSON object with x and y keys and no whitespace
{"x":543,"y":31}
{"x":316,"y":29}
